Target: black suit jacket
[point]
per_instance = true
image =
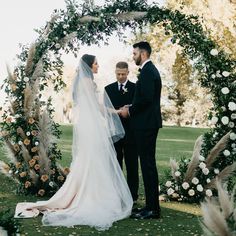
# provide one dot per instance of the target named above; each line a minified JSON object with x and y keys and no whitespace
{"x":145,"y":111}
{"x":119,"y":99}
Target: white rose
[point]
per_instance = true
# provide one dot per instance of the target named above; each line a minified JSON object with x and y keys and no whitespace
{"x":26,"y":79}
{"x":57,"y":45}
{"x":201,"y":158}
{"x":214,"y":120}
{"x":185,"y":185}
{"x":234,"y":150}
{"x":20,"y":143}
{"x":232,"y":106}
{"x":225,"y":120}
{"x":28,"y":133}
{"x":225,"y":73}
{"x":232,"y":136}
{"x":36,"y":143}
{"x":233,"y":145}
{"x":223,"y":108}
{"x":216,"y":171}
{"x":225,"y":90}
{"x":208,"y":180}
{"x":170,"y":191}
{"x":177,"y":173}
{"x":205,"y":171}
{"x":233,"y":116}
{"x":195,"y":181}
{"x":191,"y":192}
{"x":168,"y":184}
{"x":213,"y":76}
{"x":176,"y":188}
{"x":231,"y":124}
{"x":208,"y":192}
{"x":64,"y":26}
{"x":64,"y":32}
{"x":175,"y":195}
{"x":199,"y":188}
{"x":226,"y":152}
{"x":218,"y":74}
{"x":202,"y":165}
{"x":214,"y":52}
{"x":10,"y":172}
{"x":51,"y":184}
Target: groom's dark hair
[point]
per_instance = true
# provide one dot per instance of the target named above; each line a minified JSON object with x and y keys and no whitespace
{"x":88,"y":59}
{"x":122,"y":65}
{"x":143,"y":46}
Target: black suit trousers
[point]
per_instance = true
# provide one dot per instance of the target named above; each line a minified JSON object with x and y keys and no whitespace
{"x":126,"y":152}
{"x":146,"y":147}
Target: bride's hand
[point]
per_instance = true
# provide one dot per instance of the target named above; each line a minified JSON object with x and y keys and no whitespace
{"x":118,"y":111}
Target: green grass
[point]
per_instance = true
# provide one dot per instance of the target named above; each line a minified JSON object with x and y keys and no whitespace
{"x":177,"y":218}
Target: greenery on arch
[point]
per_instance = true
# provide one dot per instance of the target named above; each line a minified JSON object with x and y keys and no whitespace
{"x":28,"y":126}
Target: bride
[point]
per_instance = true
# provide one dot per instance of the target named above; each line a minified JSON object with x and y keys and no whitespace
{"x":95,"y":192}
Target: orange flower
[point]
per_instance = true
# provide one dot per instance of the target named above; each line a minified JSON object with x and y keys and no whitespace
{"x":52,"y":171}
{"x":32,"y":162}
{"x":60,"y":178}
{"x":18,"y":165}
{"x":36,"y":158}
{"x":27,"y":184}
{"x":8,"y":119}
{"x":66,"y":171}
{"x":26,"y":141}
{"x":34,"y":149}
{"x":44,"y":178}
{"x":34,"y":132}
{"x":41,"y":192}
{"x":37,"y":167}
{"x":31,"y":120}
{"x":13,"y":87}
{"x":16,"y":147}
{"x":4,"y":133}
{"x":22,"y":174}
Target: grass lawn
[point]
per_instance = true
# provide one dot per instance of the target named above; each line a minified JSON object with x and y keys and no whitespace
{"x":177,"y":218}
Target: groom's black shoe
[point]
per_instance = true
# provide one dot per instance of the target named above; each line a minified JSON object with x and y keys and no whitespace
{"x":146,"y":214}
{"x":136,"y":210}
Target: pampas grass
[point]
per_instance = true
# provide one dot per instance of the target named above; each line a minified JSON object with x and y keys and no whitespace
{"x":190,"y":173}
{"x":25,"y":153}
{"x":218,"y":214}
{"x":29,"y":62}
{"x":217,"y":149}
{"x":174,"y":167}
{"x":223,"y":175}
{"x":4,"y":168}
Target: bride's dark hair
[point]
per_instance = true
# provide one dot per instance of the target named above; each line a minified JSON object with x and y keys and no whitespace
{"x":88,"y":59}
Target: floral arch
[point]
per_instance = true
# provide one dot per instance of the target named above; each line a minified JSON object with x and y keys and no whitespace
{"x":28,"y":127}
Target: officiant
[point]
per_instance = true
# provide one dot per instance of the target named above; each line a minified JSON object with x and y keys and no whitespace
{"x":121,"y":93}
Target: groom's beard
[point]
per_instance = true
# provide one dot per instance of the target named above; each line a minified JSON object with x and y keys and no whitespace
{"x":138,"y":61}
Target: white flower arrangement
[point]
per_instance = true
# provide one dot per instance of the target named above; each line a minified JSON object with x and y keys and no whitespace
{"x":26,"y":79}
{"x":214,"y":120}
{"x":233,"y":116}
{"x":202,"y":165}
{"x":177,"y":173}
{"x":231,"y":124}
{"x":168,"y":184}
{"x":232,"y":106}
{"x":185,"y":185}
{"x":216,"y":171}
{"x":208,"y":180}
{"x":226,"y":153}
{"x":225,"y":73}
{"x":205,"y":171}
{"x":191,"y":192}
{"x":199,"y":188}
{"x":225,"y":120}
{"x":232,"y":136}
{"x":209,"y":193}
{"x":170,"y":191}
{"x":195,"y":180}
{"x":225,"y":90}
{"x":214,"y":52}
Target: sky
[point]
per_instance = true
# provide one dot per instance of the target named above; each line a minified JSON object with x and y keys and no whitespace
{"x":19,"y":18}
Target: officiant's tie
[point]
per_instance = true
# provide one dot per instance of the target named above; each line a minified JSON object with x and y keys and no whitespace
{"x":121,"y":87}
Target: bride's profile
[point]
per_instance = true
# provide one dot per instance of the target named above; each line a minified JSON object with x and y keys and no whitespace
{"x":95,"y":192}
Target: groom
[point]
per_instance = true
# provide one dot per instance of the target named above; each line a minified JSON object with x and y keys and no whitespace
{"x":145,"y":115}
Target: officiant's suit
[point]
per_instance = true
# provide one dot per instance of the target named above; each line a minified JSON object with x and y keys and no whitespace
{"x":145,"y":115}
{"x":125,"y":148}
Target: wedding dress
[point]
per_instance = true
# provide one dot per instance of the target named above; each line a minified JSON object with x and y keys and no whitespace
{"x":95,"y":192}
